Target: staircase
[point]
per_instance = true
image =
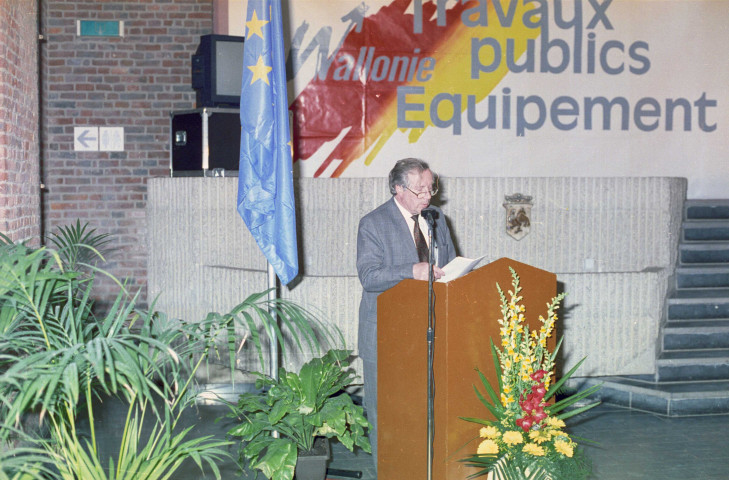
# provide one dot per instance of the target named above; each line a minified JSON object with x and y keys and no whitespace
{"x":692,"y":375}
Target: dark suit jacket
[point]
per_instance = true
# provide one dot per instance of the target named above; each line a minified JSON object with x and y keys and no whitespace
{"x":385,"y":255}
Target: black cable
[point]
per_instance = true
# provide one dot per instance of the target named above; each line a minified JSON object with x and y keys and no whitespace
{"x":335,"y":472}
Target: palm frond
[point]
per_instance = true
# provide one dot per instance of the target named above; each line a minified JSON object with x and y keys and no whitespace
{"x":24,"y":463}
{"x":258,"y":314}
{"x":80,"y":246}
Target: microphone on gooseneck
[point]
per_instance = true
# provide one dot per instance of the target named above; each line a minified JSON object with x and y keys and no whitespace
{"x":429,"y":214}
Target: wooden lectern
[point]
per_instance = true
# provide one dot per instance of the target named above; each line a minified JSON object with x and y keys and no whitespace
{"x":466,"y":317}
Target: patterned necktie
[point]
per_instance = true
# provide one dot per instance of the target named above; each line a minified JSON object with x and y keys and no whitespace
{"x":420,"y":244}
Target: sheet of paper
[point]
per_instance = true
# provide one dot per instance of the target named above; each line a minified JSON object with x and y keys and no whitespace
{"x":458,"y":267}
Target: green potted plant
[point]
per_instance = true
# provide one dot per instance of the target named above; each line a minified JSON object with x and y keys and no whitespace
{"x":280,"y":423}
{"x":59,"y":360}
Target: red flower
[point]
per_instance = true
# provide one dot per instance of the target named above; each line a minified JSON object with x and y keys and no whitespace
{"x":533,"y":404}
{"x":539,"y":390}
{"x":525,"y":423}
{"x":539,"y":416}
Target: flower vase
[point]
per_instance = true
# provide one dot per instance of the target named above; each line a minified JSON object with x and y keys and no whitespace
{"x":493,"y":475}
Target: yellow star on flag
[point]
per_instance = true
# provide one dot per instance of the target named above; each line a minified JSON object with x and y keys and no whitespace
{"x":255,"y":26}
{"x":260,"y":71}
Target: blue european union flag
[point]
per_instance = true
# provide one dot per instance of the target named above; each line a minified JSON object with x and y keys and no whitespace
{"x":265,"y":176}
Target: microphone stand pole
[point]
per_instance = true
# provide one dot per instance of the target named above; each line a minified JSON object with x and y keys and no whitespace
{"x":431,"y":339}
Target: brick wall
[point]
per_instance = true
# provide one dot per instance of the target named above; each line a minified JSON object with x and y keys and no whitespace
{"x":19,"y":147}
{"x":133,"y":82}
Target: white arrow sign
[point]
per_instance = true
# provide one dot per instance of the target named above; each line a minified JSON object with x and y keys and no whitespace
{"x":86,"y":139}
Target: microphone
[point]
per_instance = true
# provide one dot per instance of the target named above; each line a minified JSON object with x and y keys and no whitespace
{"x":429,"y":214}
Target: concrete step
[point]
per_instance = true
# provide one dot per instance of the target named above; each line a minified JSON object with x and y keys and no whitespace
{"x":693,"y":365}
{"x":706,"y":209}
{"x":706,"y":230}
{"x":673,"y":399}
{"x":703,"y":253}
{"x":692,"y":376}
{"x":695,"y":334}
{"x":705,"y":276}
{"x":698,"y":303}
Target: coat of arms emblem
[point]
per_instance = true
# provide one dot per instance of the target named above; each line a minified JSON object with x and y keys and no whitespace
{"x":518,"y":213}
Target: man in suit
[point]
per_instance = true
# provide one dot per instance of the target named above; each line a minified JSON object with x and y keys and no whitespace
{"x":387,"y":253}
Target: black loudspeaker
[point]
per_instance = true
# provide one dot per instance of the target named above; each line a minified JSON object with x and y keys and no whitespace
{"x":205,"y":142}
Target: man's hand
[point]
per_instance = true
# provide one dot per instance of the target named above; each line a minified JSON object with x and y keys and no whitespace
{"x":420,"y":271}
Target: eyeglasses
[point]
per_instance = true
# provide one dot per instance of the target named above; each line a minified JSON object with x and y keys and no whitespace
{"x":432,"y":192}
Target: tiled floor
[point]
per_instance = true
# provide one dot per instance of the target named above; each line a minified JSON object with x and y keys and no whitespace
{"x":631,"y":445}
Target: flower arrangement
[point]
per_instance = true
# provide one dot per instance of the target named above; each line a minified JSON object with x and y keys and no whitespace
{"x":526,"y":439}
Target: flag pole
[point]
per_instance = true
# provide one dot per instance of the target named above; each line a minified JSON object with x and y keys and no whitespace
{"x":272,"y":295}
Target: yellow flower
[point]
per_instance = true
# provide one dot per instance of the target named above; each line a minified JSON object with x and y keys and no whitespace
{"x":512,"y":437}
{"x":534,"y":449}
{"x":554,"y":422}
{"x":488,"y":432}
{"x":505,"y":401}
{"x":540,"y":436}
{"x":488,"y":447}
{"x":565,"y":448}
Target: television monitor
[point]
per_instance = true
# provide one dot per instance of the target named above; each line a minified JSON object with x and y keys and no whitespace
{"x":217,"y":67}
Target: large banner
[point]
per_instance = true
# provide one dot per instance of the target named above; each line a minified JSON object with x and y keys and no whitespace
{"x":512,"y":88}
